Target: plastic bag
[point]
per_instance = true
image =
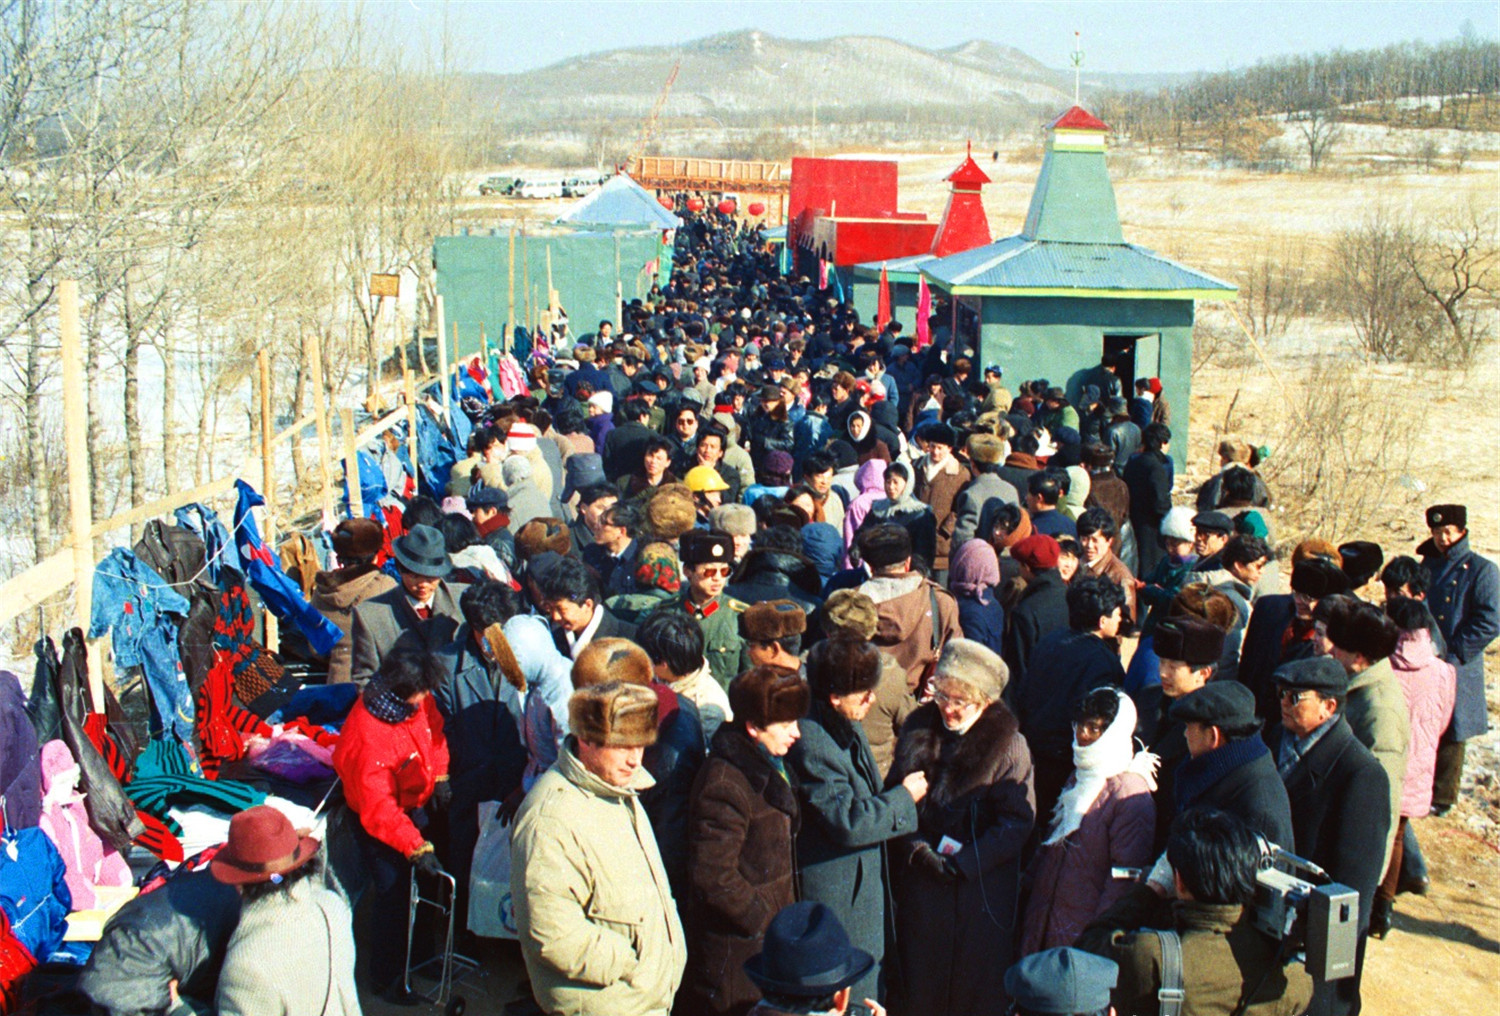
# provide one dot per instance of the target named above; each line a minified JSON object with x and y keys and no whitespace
{"x":490,"y":912}
{"x":291,"y":756}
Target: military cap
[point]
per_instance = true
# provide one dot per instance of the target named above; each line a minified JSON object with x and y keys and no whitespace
{"x":698,"y":546}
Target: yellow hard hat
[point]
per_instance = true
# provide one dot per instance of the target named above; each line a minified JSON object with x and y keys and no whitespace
{"x":704,"y":478}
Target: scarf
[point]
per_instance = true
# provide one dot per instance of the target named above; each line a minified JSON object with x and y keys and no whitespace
{"x":1111,"y":755}
{"x":386,"y":706}
{"x":1196,"y":775}
{"x":975,"y":570}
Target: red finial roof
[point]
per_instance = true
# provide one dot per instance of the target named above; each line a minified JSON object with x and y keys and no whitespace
{"x":968,"y":172}
{"x":1080,"y":119}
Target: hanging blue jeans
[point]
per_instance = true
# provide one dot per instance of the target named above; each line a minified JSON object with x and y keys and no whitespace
{"x":133,"y":603}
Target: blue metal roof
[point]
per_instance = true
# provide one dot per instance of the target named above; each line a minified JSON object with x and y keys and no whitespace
{"x":620,"y":202}
{"x":1018,"y":263}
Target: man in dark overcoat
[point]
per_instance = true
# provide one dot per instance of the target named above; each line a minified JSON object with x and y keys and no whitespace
{"x":424,"y":605}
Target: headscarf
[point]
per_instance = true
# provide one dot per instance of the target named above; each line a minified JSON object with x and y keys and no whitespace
{"x":1111,"y":755}
{"x":975,"y":570}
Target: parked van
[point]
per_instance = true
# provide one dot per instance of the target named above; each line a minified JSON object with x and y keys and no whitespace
{"x":539,"y":188}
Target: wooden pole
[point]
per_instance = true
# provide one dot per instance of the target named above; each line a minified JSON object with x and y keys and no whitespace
{"x":442,"y":345}
{"x":75,"y":436}
{"x":484,"y":361}
{"x":351,"y":465}
{"x":267,"y":480}
{"x":458,"y":356}
{"x":551,"y":293}
{"x":510,"y":310}
{"x":325,"y":444}
{"x":526,"y":276}
{"x":411,"y":421}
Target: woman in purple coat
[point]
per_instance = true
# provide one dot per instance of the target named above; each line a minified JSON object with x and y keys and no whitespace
{"x":1103,"y":823}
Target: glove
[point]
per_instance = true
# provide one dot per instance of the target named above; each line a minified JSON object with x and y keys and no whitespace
{"x":511,"y":805}
{"x":932,"y":862}
{"x":427,"y":862}
{"x":442,"y":795}
{"x":953,"y":868}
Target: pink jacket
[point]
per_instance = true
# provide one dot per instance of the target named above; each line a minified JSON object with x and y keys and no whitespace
{"x":870,"y":479}
{"x":90,"y":862}
{"x":1430,"y":685}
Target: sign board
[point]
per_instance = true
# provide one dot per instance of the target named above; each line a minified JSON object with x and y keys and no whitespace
{"x":385,"y":285}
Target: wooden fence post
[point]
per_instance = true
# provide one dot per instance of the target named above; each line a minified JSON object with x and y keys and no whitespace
{"x":320,"y":408}
{"x":351,"y":466}
{"x":75,"y":436}
{"x":442,"y":345}
{"x":267,"y":480}
{"x":411,"y":425}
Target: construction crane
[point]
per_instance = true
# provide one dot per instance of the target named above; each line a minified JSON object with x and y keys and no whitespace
{"x":648,"y":130}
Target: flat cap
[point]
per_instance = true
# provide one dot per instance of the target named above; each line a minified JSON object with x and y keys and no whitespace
{"x":1062,"y":981}
{"x":1213,"y":522}
{"x":487,"y":497}
{"x":1317,"y":673}
{"x":1227,"y":704}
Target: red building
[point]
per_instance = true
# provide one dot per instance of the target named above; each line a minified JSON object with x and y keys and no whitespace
{"x":844,"y":211}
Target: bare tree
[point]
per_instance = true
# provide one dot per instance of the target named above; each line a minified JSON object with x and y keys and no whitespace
{"x":1450,"y":265}
{"x":1320,"y":131}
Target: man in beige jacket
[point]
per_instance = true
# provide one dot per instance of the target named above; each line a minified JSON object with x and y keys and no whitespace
{"x":597,"y":923}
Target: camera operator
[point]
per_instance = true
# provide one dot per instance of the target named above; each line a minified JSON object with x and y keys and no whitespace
{"x":1228,"y":966}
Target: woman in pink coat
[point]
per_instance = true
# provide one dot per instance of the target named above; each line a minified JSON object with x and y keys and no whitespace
{"x":1430,"y":685}
{"x":1104,"y":821}
{"x":870,"y":479}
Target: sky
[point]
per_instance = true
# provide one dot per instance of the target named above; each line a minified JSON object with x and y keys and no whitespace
{"x":1131,"y":36}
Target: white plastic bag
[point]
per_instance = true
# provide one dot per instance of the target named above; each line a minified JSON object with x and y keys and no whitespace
{"x":490,"y":911}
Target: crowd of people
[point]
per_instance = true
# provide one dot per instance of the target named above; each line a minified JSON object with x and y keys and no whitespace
{"x":816,"y":672}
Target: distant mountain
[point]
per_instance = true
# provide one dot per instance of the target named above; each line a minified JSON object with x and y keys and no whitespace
{"x":752,"y":79}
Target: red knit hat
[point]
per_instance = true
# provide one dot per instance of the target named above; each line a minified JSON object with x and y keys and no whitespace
{"x":1037,"y":552}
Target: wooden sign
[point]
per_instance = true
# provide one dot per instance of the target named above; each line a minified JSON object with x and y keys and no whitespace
{"x":385,"y":285}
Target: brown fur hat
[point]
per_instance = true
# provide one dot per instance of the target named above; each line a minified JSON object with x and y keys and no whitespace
{"x":772,"y":619}
{"x":850,"y":611}
{"x":1206,"y":602}
{"x":542,"y":534}
{"x":583,"y":354}
{"x":613,"y":715}
{"x":358,"y":538}
{"x":671,"y":512}
{"x":605,"y":660}
{"x":767,"y":695}
{"x":985,"y":449}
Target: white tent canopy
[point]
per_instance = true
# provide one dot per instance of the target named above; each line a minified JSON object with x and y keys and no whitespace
{"x":620,"y":203}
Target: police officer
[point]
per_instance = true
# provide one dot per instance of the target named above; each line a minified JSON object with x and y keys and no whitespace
{"x":707,"y":559}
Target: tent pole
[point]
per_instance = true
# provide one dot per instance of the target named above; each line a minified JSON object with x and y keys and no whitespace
{"x":510,"y":310}
{"x":351,"y":466}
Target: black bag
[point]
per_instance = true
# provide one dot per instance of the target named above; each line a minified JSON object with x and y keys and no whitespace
{"x":111,"y":812}
{"x":178,"y":555}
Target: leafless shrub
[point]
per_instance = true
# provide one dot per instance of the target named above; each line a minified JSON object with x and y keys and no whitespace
{"x":1274,"y":288}
{"x":1338,"y":464}
{"x":1373,"y":286}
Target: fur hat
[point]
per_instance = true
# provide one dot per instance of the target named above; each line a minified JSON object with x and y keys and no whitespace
{"x":850,"y":611}
{"x":1447,"y":515}
{"x":671,"y":511}
{"x":1363,"y":628}
{"x":986,"y":449}
{"x":974,"y":665}
{"x":1361,"y":561}
{"x":1191,"y":639}
{"x":734,"y":519}
{"x":772,"y":619}
{"x":1199,"y":599}
{"x":699,"y":547}
{"x":358,"y":538}
{"x":883,"y":545}
{"x":1038,"y":552}
{"x":938,"y":432}
{"x":767,"y":695}
{"x":1318,"y":577}
{"x":613,"y":715}
{"x":543,"y":534}
{"x":583,"y":354}
{"x":605,"y":660}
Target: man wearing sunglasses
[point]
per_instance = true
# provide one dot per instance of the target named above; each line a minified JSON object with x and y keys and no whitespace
{"x":707,"y":557}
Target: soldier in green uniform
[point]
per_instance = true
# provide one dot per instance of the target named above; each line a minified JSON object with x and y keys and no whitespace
{"x":707,"y":557}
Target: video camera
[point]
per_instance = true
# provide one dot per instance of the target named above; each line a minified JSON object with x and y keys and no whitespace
{"x":1297,"y":904}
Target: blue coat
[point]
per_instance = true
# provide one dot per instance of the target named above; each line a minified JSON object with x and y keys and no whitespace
{"x":846,"y":819}
{"x":1464,"y":596}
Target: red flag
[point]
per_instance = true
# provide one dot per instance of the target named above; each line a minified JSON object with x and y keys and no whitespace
{"x":883,"y":302}
{"x":924,"y":311}
{"x":822,"y":274}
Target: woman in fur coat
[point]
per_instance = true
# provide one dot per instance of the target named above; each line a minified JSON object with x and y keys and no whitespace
{"x":957,"y":877}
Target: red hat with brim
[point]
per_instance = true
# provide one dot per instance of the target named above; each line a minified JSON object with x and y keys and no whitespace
{"x":262,"y":845}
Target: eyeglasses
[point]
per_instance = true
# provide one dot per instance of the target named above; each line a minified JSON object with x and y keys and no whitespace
{"x":1292,"y":696}
{"x":956,"y":701}
{"x":714,"y":571}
